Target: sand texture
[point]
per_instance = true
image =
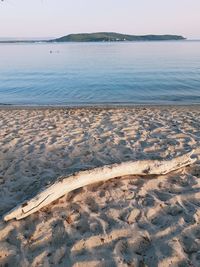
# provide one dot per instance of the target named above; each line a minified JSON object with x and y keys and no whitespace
{"x":128,"y":221}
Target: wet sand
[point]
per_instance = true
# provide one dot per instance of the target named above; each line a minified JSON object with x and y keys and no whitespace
{"x":129,"y":221}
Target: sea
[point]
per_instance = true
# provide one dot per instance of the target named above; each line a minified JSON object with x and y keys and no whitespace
{"x":107,"y":73}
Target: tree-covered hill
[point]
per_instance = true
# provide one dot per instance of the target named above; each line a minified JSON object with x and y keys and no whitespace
{"x":114,"y":37}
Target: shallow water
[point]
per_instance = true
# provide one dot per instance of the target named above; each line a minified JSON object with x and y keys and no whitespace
{"x":100,"y":73}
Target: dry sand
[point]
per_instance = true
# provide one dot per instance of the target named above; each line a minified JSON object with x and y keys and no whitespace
{"x":129,"y":221}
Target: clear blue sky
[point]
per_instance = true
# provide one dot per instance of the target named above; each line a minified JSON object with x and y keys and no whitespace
{"x":53,"y":18}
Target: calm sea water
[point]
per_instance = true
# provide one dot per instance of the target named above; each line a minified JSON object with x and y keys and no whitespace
{"x":100,"y":73}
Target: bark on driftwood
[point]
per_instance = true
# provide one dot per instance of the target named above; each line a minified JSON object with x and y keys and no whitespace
{"x":83,"y":178}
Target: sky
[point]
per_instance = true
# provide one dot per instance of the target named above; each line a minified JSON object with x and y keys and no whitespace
{"x":55,"y":18}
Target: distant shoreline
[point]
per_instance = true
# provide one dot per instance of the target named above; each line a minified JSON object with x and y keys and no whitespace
{"x":102,"y":37}
{"x":57,"y":42}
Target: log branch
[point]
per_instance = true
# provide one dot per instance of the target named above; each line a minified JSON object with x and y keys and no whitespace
{"x":105,"y":173}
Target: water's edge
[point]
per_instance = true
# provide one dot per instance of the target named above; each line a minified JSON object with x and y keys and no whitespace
{"x":102,"y":106}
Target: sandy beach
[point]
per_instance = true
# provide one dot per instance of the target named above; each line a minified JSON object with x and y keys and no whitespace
{"x":128,"y":221}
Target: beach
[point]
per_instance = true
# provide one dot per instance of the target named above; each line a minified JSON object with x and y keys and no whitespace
{"x":128,"y":221}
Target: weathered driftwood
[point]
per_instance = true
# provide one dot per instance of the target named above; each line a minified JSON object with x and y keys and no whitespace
{"x":83,"y":178}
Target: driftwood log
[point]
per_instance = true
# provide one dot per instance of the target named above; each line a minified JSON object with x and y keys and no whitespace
{"x":83,"y":178}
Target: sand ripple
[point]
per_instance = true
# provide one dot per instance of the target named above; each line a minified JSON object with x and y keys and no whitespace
{"x":124,"y":222}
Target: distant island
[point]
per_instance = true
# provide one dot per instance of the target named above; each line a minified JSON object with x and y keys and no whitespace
{"x":114,"y":37}
{"x":103,"y":37}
